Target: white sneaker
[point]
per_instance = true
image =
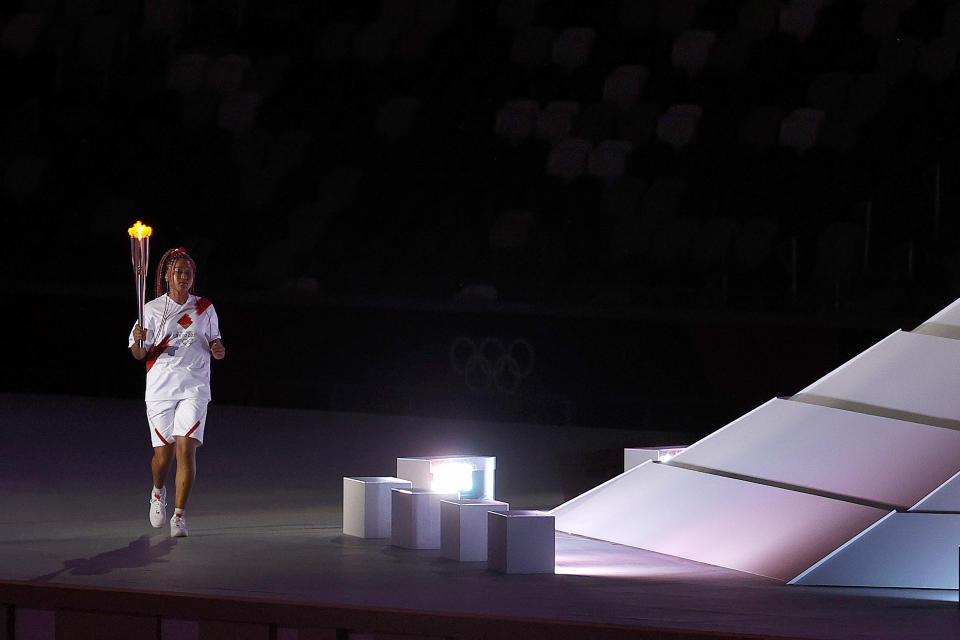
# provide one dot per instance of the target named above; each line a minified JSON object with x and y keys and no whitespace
{"x":178,"y":526}
{"x":158,"y":508}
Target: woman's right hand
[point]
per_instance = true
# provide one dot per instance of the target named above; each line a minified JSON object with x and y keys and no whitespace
{"x":139,"y":333}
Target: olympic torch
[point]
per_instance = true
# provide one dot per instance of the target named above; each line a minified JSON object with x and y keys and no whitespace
{"x":140,"y":256}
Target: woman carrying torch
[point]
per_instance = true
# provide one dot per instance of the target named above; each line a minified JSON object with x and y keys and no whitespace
{"x":179,"y":333}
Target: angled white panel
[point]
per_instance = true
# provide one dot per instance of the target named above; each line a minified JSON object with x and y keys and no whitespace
{"x":906,"y":372}
{"x":950,"y":315}
{"x":833,"y":451}
{"x":909,"y":550}
{"x":946,"y":497}
{"x":722,"y":521}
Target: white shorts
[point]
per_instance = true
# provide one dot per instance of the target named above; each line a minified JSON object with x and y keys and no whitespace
{"x":171,"y":418}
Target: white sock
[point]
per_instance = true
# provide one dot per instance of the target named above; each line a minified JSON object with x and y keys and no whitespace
{"x":158,"y":492}
{"x":178,"y":512}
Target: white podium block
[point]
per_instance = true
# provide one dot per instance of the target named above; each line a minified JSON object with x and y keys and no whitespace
{"x":468,"y":476}
{"x":366,"y":505}
{"x":463,"y":528}
{"x":633,"y":457}
{"x":521,"y":542}
{"x":415,"y":522}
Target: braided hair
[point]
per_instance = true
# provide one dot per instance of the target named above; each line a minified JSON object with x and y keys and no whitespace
{"x":166,"y":260}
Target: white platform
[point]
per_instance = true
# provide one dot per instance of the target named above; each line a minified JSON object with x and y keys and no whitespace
{"x":945,"y":498}
{"x":906,"y":372}
{"x":722,"y":521}
{"x":871,"y":458}
{"x":367,"y":505}
{"x":470,"y":476}
{"x":521,"y":542}
{"x":463,"y":528}
{"x":634,"y":456}
{"x":914,"y":550}
{"x":416,"y":518}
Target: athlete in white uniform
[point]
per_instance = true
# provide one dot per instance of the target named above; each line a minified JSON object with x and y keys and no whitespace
{"x":180,"y":333}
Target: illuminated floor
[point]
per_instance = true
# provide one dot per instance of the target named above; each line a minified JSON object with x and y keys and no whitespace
{"x":265,"y":523}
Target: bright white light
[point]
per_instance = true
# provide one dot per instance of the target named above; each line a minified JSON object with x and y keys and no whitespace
{"x":453,"y":477}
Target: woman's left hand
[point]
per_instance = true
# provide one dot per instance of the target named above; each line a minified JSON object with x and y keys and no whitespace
{"x":217,"y":350}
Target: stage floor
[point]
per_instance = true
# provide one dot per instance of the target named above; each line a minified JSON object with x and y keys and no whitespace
{"x":265,"y":524}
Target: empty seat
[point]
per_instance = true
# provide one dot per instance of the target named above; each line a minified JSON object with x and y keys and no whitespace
{"x":758,"y":18}
{"x":555,"y":121}
{"x":515,"y":120}
{"x":571,"y":48}
{"x":188,"y":73}
{"x":532,"y":47}
{"x":396,"y":116}
{"x":608,"y":159}
{"x":828,"y":91}
{"x":937,"y":58}
{"x":677,"y":127}
{"x":800,"y":128}
{"x":624,"y":86}
{"x":19,"y":35}
{"x":568,"y":159}
{"x":227,"y":73}
{"x":691,"y":50}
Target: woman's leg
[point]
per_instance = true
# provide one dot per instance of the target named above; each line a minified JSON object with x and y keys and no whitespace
{"x":186,"y":468}
{"x":160,"y":465}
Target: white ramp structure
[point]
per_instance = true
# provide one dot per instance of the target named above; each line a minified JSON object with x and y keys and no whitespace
{"x":854,"y":481}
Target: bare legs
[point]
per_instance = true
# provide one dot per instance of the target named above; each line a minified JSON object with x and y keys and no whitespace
{"x":186,"y":454}
{"x":186,"y":468}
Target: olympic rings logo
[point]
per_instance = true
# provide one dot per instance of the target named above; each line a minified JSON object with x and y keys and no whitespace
{"x":491,"y":364}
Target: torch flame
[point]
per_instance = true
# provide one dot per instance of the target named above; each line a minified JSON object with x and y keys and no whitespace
{"x":140,"y":230}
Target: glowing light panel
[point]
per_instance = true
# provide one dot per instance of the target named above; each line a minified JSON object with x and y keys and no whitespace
{"x":453,"y":477}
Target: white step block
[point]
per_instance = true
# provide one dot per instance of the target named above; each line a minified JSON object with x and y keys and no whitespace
{"x":416,"y":518}
{"x":367,"y":505}
{"x":906,"y":550}
{"x":521,"y":542}
{"x":463,"y":528}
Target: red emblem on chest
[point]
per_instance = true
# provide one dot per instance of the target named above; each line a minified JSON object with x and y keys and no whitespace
{"x":185,"y":321}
